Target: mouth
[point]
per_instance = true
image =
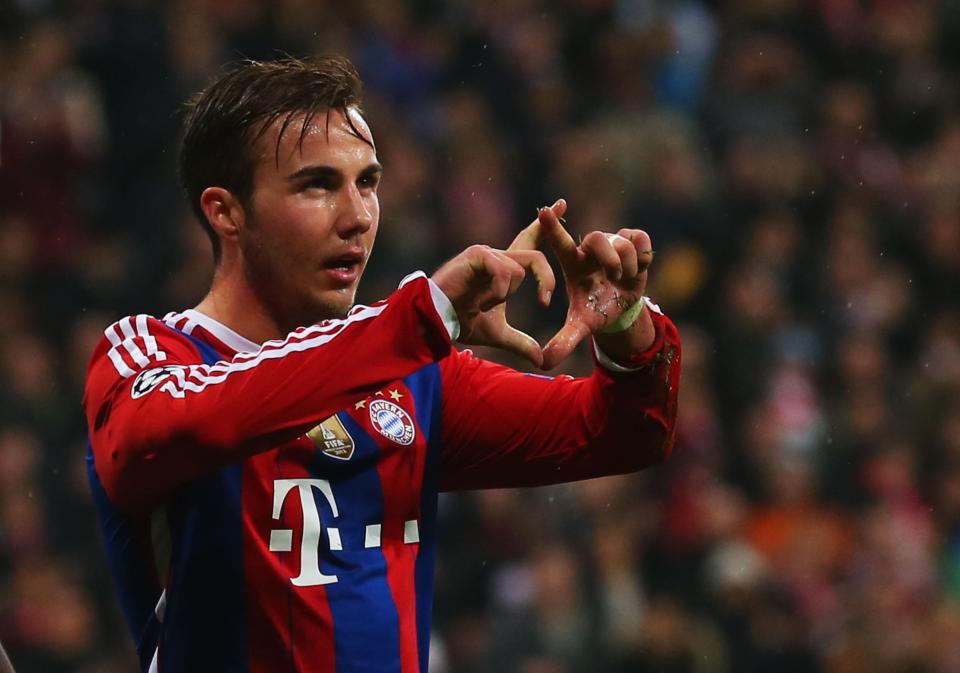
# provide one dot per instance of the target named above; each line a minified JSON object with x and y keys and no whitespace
{"x":344,"y":269}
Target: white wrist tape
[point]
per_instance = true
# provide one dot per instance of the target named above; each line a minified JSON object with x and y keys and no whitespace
{"x":626,"y":319}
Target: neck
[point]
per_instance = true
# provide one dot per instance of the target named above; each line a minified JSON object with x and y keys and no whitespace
{"x":232,"y":302}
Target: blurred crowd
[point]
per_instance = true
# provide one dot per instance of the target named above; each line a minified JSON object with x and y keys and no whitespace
{"x":797,"y":164}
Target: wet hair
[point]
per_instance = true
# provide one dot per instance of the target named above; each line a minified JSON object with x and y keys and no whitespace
{"x":225,"y":121}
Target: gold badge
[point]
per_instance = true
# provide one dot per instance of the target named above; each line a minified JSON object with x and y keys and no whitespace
{"x":333,"y":439}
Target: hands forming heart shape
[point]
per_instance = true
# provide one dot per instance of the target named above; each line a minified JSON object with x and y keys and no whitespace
{"x":604,"y":275}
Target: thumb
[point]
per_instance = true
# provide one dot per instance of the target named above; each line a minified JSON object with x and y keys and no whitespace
{"x":564,"y":342}
{"x":491,"y":328}
{"x":513,"y":340}
{"x":529,"y":238}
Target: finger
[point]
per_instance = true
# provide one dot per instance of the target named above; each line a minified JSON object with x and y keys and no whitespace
{"x":497,"y":292}
{"x":642,"y":244}
{"x":556,"y":236}
{"x":529,"y":238}
{"x":535,"y":262}
{"x":559,"y":208}
{"x":598,"y":247}
{"x":505,"y":275}
{"x":563,"y":343}
{"x":511,"y":339}
{"x":627,"y":253}
{"x":514,"y":269}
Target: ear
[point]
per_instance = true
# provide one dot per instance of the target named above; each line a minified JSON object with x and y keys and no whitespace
{"x":223,"y":211}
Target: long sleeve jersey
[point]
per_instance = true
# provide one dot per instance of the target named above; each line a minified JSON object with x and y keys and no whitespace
{"x":273,"y":507}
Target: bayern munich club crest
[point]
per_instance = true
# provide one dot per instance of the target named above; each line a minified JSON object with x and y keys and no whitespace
{"x":392,"y":422}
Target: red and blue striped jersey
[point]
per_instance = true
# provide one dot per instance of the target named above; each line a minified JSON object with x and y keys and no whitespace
{"x":273,"y":507}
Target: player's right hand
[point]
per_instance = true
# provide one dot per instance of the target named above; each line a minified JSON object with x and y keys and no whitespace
{"x":481,"y":278}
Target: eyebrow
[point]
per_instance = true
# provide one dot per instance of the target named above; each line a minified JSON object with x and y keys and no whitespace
{"x":325,"y":171}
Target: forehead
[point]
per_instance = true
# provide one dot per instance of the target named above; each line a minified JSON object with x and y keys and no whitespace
{"x":327,"y":136}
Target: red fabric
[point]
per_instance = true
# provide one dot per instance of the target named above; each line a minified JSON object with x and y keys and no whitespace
{"x":144,"y":447}
{"x":505,"y":429}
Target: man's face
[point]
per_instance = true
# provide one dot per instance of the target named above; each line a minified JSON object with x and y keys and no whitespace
{"x":312,"y":219}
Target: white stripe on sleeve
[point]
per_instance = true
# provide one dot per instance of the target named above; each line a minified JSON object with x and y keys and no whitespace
{"x":196,"y":378}
{"x":148,"y":340}
{"x":126,"y":327}
{"x":114,"y":352}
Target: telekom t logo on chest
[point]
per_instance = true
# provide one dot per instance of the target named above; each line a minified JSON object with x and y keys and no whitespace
{"x":281,"y":539}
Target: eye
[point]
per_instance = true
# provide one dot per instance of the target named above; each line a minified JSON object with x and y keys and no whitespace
{"x":369,"y":181}
{"x":319,"y":182}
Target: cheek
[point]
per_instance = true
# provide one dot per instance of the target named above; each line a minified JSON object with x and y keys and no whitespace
{"x":298,"y":231}
{"x":278,"y":247}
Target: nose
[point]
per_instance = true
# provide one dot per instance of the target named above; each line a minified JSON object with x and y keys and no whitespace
{"x":358,"y":212}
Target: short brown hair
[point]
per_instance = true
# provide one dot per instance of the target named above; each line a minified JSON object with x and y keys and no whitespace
{"x":224,"y":121}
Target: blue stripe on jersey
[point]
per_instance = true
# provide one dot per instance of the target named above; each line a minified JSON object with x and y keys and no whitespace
{"x":134,"y":578}
{"x":205,"y":621}
{"x":205,"y":624}
{"x":426,"y":388}
{"x":366,"y":628}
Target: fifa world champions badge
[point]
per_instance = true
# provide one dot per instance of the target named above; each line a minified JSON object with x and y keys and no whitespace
{"x":392,"y":422}
{"x":333,"y":439}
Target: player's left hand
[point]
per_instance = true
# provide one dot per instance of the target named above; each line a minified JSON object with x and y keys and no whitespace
{"x":605,"y":274}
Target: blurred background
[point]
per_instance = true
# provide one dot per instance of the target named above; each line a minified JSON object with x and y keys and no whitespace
{"x":797,"y":164}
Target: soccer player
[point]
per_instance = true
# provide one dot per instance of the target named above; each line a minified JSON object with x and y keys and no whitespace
{"x":266,"y":466}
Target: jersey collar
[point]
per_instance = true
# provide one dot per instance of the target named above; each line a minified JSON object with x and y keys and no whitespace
{"x":230,"y":338}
